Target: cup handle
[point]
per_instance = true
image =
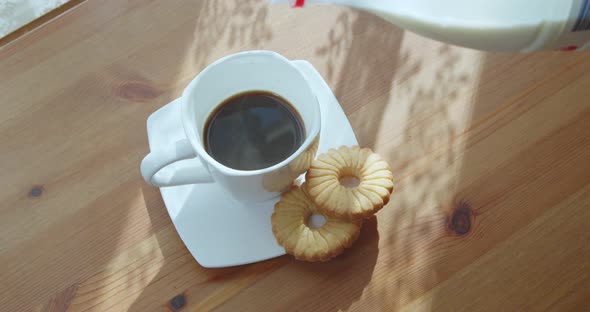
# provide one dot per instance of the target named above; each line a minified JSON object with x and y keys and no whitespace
{"x":192,"y":172}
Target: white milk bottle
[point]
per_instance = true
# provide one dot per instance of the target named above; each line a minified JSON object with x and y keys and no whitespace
{"x":490,"y":25}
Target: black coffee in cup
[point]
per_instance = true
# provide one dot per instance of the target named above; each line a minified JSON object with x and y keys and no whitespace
{"x":253,"y":130}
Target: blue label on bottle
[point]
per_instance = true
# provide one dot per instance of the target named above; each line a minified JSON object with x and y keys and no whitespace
{"x":583,"y":20}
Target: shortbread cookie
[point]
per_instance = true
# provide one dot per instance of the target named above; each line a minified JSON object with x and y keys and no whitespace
{"x":325,"y":187}
{"x":293,"y":231}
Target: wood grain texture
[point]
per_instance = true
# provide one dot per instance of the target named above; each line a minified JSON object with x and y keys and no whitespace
{"x":491,"y":154}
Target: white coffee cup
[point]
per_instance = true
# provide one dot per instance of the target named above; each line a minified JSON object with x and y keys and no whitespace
{"x":230,"y":75}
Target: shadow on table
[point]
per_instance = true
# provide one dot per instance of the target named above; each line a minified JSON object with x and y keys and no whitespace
{"x":233,"y":24}
{"x":482,"y":183}
{"x":335,"y":285}
{"x":366,"y":50}
{"x":229,"y":24}
{"x":422,"y":163}
{"x":433,"y":221}
{"x":94,"y":243}
{"x":434,"y":211}
{"x":344,"y":278}
{"x":447,"y":183}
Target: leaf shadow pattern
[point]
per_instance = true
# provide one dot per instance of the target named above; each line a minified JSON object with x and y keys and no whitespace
{"x":425,"y":158}
{"x":434,"y":220}
{"x":418,"y":140}
{"x":231,"y":25}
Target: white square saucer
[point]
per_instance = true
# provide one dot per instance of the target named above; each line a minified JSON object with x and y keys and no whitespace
{"x":217,"y":230}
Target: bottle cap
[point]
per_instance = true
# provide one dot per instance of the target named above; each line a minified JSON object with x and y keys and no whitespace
{"x":293,"y":3}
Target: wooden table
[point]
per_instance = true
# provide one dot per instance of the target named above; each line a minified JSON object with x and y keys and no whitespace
{"x":491,"y":155}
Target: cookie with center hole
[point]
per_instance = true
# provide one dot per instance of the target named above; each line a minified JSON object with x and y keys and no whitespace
{"x":349,"y":182}
{"x":305,"y":239}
